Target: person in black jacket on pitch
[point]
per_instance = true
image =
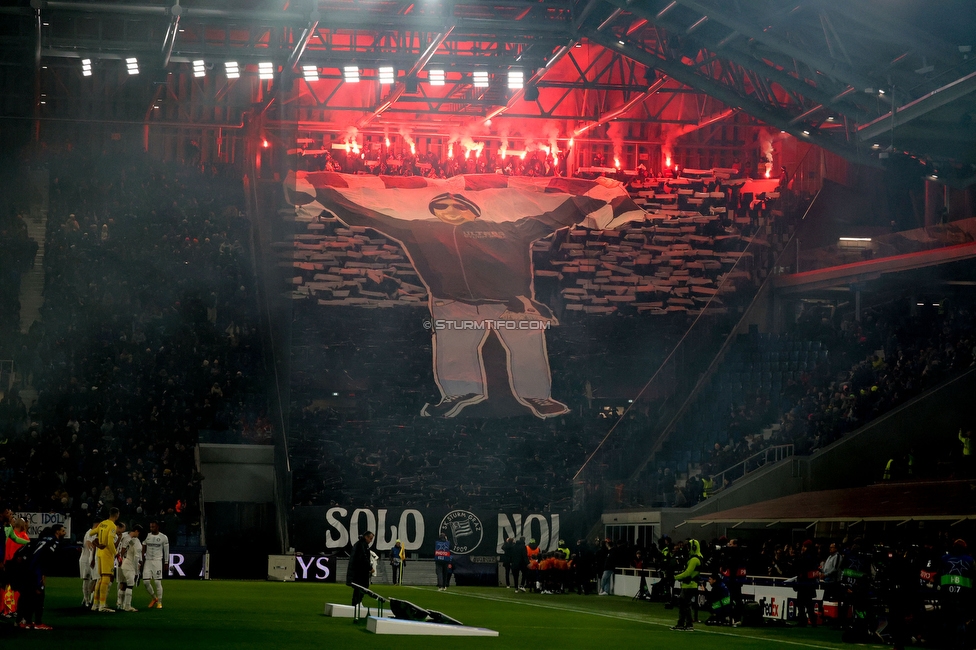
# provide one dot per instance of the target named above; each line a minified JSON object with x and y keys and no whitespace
{"x":807,"y":580}
{"x":508,"y":554}
{"x":38,"y":565}
{"x":520,"y":563}
{"x":360,"y":566}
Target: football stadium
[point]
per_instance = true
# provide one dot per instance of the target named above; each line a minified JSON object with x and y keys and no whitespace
{"x":510,"y":323}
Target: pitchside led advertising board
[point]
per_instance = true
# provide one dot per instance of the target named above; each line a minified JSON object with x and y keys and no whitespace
{"x":471,"y":533}
{"x":315,"y":568}
{"x":189,"y":563}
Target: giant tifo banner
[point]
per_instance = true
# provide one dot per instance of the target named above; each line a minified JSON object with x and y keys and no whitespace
{"x":478,"y":534}
{"x":469,"y":239}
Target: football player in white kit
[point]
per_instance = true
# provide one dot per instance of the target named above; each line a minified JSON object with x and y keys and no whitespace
{"x":86,"y":566}
{"x":155,"y":564}
{"x":121,"y":537}
{"x":131,"y":550}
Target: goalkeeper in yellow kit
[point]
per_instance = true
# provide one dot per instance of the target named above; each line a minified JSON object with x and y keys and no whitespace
{"x":105,"y":559}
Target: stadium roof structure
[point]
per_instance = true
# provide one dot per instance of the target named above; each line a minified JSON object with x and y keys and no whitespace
{"x":864,"y":80}
{"x":897,"y":502}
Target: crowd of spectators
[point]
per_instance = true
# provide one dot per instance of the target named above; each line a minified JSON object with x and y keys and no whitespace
{"x":882,"y":587}
{"x":540,"y":162}
{"x":856,"y":371}
{"x":146,"y":337}
{"x":394,"y":458}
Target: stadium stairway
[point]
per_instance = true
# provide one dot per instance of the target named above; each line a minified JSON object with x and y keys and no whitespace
{"x":32,"y":282}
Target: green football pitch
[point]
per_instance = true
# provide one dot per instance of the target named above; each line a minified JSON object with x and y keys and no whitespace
{"x":230,"y":614}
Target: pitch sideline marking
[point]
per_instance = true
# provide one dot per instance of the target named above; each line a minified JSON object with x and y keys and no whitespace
{"x":634,"y":618}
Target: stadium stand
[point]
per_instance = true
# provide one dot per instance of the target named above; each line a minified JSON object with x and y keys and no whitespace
{"x":702,"y":249}
{"x":147,"y":337}
{"x":788,"y":389}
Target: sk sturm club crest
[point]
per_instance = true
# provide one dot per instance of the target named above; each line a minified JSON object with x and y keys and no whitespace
{"x":464,"y":530}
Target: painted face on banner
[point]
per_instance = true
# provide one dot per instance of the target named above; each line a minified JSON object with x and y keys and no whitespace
{"x":454,"y":209}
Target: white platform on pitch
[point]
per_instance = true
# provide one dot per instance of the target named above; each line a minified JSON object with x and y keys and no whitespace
{"x":418,"y":628}
{"x":348,"y":611}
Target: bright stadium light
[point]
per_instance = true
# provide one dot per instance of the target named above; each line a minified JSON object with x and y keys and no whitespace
{"x":480,"y":78}
{"x":232,"y":70}
{"x":199,"y":68}
{"x":86,"y":68}
{"x":515,"y":79}
{"x":387,"y":75}
{"x":436,"y":77}
{"x":132,"y":65}
{"x":265,"y":70}
{"x":310,"y":72}
{"x":350,"y":74}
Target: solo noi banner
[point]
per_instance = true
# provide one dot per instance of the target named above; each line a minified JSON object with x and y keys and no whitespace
{"x":473,"y":534}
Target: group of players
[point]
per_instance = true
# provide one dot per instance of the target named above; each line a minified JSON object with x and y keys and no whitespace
{"x":112,"y":554}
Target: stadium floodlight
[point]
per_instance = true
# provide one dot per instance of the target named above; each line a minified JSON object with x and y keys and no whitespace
{"x":387,"y":75}
{"x":199,"y":68}
{"x":132,"y":65}
{"x":436,"y":77}
{"x":350,"y":74}
{"x":86,"y":68}
{"x":265,"y":70}
{"x":480,"y":78}
{"x":232,"y":70}
{"x":310,"y":72}
{"x":515,"y":79}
